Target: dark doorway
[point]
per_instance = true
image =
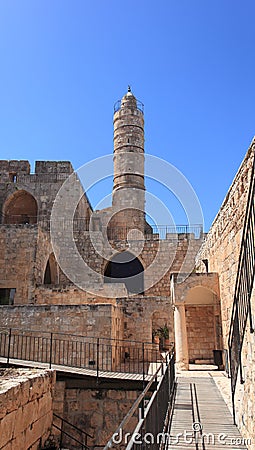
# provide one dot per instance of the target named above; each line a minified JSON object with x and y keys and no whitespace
{"x":7,"y":296}
{"x":126,"y":268}
{"x":47,"y":275}
{"x":51,"y":271}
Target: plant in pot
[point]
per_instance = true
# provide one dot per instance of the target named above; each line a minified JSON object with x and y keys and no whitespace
{"x":164,"y":333}
{"x":155,"y":336}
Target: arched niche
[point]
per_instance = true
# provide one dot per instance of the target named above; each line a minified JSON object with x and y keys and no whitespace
{"x":20,"y":208}
{"x":125,"y":268}
{"x":203,"y":322}
{"x":51,"y":273}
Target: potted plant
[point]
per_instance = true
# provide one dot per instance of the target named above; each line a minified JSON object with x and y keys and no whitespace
{"x":155,"y":336}
{"x":164,"y":334}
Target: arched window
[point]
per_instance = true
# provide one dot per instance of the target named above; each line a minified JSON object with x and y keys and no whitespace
{"x":51,"y":273}
{"x":126,"y":268}
{"x":20,"y":208}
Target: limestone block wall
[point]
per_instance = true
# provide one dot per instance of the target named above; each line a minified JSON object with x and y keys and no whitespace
{"x":154,"y":254}
{"x":222,"y":245}
{"x":222,"y":249}
{"x":244,"y":396}
{"x":43,"y":250}
{"x":17,"y":259}
{"x":74,"y":329}
{"x":66,"y":295}
{"x":96,"y":411}
{"x":44,"y":184}
{"x":139,"y":316}
{"x":200,"y":332}
{"x":98,"y":320}
{"x":8,"y":168}
{"x":25,"y":250}
{"x":26,"y":408}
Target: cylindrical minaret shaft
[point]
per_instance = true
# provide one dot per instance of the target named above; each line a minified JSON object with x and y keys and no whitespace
{"x":128,"y":189}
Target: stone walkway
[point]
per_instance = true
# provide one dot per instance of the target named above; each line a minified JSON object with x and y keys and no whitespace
{"x":201,"y":418}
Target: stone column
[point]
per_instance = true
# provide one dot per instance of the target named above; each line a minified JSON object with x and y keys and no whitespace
{"x":181,"y":341}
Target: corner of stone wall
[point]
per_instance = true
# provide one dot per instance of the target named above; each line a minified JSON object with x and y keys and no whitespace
{"x":25,"y":408}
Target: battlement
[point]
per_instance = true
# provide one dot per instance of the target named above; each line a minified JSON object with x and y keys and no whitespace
{"x":45,"y":171}
{"x":14,"y":167}
{"x":53,"y":167}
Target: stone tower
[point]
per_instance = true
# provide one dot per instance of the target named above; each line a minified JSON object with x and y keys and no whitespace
{"x":128,"y":185}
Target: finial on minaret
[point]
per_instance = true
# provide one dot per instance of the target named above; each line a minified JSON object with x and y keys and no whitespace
{"x":129,"y":88}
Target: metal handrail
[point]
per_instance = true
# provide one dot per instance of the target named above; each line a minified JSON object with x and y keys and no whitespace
{"x":163,"y":368}
{"x":85,"y":224}
{"x":126,"y":341}
{"x":80,"y":352}
{"x":87,"y":435}
{"x":83,"y":446}
{"x":118,"y":103}
{"x":153,"y":228}
{"x":241,"y":308}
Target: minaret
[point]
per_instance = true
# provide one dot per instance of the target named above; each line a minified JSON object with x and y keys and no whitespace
{"x":128,"y":196}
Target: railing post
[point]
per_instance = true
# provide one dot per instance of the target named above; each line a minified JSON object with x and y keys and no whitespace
{"x":250,"y":315}
{"x":143,"y":364}
{"x":51,"y":342}
{"x":61,"y":434}
{"x":9,"y":346}
{"x":143,"y":356}
{"x":233,"y":407}
{"x":97,"y":359}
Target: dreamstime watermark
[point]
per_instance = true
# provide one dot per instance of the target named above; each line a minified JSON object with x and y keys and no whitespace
{"x":64,"y":243}
{"x":196,"y":435}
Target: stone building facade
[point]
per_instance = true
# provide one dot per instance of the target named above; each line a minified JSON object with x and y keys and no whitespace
{"x":129,"y":263}
{"x":132,"y":286}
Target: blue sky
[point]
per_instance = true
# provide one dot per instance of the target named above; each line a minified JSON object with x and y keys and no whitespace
{"x":65,"y":63}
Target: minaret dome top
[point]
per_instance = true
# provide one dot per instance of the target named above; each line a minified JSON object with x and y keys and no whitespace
{"x":128,"y":101}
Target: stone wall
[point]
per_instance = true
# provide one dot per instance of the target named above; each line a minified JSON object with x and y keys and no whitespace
{"x":200,"y":332}
{"x":17,"y":259}
{"x":244,"y":394}
{"x":159,"y":257}
{"x":26,"y":248}
{"x":66,"y":295}
{"x":222,"y":245}
{"x":96,"y":411}
{"x":26,"y":408}
{"x":100,"y":320}
{"x":222,"y":248}
{"x":139,"y":316}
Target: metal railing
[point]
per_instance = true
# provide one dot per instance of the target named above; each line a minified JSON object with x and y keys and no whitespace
{"x":156,"y":232}
{"x":101,"y":356}
{"x":241,"y":309}
{"x":151,"y":413}
{"x":19,"y":219}
{"x":68,"y":436}
{"x":112,"y":233}
{"x":77,"y":224}
{"x":139,"y":105}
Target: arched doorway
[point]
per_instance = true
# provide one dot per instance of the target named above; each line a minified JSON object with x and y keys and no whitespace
{"x":51,"y":273}
{"x":20,"y":208}
{"x":126,"y":268}
{"x":202,"y":312}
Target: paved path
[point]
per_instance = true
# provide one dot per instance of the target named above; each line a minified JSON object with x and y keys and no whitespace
{"x":201,"y":419}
